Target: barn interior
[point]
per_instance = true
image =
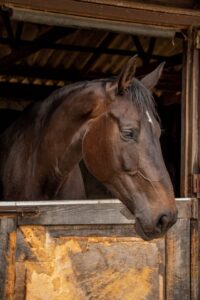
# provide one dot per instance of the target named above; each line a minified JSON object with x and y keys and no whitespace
{"x":36,"y":59}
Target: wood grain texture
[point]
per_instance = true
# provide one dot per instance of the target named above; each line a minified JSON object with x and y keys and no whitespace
{"x":190,"y":114}
{"x":82,"y":212}
{"x":178,"y":261}
{"x":78,"y":214}
{"x":109,"y":12}
{"x":87,"y":268}
{"x":195,"y":248}
{"x":100,"y":261}
{"x":7,"y":257}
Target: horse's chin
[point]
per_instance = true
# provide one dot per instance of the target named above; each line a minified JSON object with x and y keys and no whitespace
{"x":145,"y":236}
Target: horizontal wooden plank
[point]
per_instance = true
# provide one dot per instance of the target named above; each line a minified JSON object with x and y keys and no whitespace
{"x":111,"y":12}
{"x":178,"y":6}
{"x":102,"y":213}
{"x":86,"y":22}
{"x":74,"y":212}
{"x":125,"y":230}
{"x":187,"y":208}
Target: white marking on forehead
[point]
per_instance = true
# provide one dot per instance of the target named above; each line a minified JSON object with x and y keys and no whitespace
{"x":148,"y":116}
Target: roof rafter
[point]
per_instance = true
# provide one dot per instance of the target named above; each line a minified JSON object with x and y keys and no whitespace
{"x":24,"y":50}
{"x":85,"y":49}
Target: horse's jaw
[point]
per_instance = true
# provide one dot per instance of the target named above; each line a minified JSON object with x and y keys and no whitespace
{"x":152,"y":220}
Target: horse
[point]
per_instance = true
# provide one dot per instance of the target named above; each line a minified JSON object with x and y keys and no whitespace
{"x":111,"y":124}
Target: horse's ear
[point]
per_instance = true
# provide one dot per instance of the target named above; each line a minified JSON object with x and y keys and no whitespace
{"x":127,"y":74}
{"x":152,"y":78}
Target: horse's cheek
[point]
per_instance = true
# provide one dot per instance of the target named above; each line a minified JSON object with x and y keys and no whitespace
{"x":94,"y":155}
{"x":130,"y":157}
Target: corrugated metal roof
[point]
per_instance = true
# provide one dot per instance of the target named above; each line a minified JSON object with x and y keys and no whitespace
{"x":85,"y":62}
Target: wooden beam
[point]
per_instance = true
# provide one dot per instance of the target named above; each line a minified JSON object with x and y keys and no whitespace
{"x":19,"y":30}
{"x":119,"y":11}
{"x":145,"y":56}
{"x":7,"y":256}
{"x":103,"y":45}
{"x":76,"y":212}
{"x":102,"y":49}
{"x":52,"y":35}
{"x":178,"y":261}
{"x":6,"y":20}
{"x":77,"y":75}
{"x":150,"y":50}
{"x":190,"y":130}
{"x":138,"y":45}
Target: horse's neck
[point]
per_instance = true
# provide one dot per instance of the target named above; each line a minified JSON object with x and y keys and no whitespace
{"x":66,"y":129}
{"x":73,"y":152}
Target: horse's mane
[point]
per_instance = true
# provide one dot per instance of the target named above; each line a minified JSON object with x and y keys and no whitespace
{"x":39,"y":113}
{"x":139,"y":95}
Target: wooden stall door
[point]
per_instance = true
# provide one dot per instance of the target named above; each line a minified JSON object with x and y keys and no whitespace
{"x":88,"y":250}
{"x":51,"y":265}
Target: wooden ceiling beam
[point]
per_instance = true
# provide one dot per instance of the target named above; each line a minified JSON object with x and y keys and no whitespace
{"x":19,"y":30}
{"x":22,"y":51}
{"x":87,"y":49}
{"x":130,"y":12}
{"x":35,"y":92}
{"x":77,"y":75}
{"x":103,"y":45}
{"x":152,"y":43}
{"x":7,"y":23}
{"x":138,"y":44}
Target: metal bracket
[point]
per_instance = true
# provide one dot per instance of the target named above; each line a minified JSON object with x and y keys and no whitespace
{"x":197,"y":39}
{"x":196,"y":184}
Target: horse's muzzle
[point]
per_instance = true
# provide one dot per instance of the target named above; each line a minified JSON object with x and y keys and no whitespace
{"x":160,"y":227}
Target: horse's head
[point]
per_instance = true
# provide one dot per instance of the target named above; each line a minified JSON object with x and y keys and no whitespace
{"x":121,"y":148}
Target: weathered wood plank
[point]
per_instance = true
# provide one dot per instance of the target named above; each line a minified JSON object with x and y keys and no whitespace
{"x":83,"y":212}
{"x":38,"y":248}
{"x":195,"y":263}
{"x":195,"y":248}
{"x":125,"y":230}
{"x":79,"y":214}
{"x":7,"y":257}
{"x":178,"y":261}
{"x":149,"y":5}
{"x":190,"y":112}
{"x":111,"y":268}
{"x":20,"y":282}
{"x":112,"y":12}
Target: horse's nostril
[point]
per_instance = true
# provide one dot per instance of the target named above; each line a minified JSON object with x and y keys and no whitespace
{"x":163,"y":223}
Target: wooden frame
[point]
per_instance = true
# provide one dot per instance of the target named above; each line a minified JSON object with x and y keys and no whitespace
{"x":101,"y":218}
{"x":119,"y":11}
{"x":106,"y":217}
{"x":84,"y":212}
{"x":190,"y":114}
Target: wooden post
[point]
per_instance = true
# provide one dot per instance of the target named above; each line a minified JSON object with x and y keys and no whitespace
{"x":190,"y":145}
{"x":189,"y":132}
{"x":7,"y":257}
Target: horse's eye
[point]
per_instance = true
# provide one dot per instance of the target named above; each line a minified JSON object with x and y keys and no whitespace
{"x":130,"y":134}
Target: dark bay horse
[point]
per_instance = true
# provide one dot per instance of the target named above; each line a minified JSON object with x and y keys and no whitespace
{"x":112,"y":124}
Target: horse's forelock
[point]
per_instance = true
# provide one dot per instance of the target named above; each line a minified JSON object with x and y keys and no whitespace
{"x":142,"y":98}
